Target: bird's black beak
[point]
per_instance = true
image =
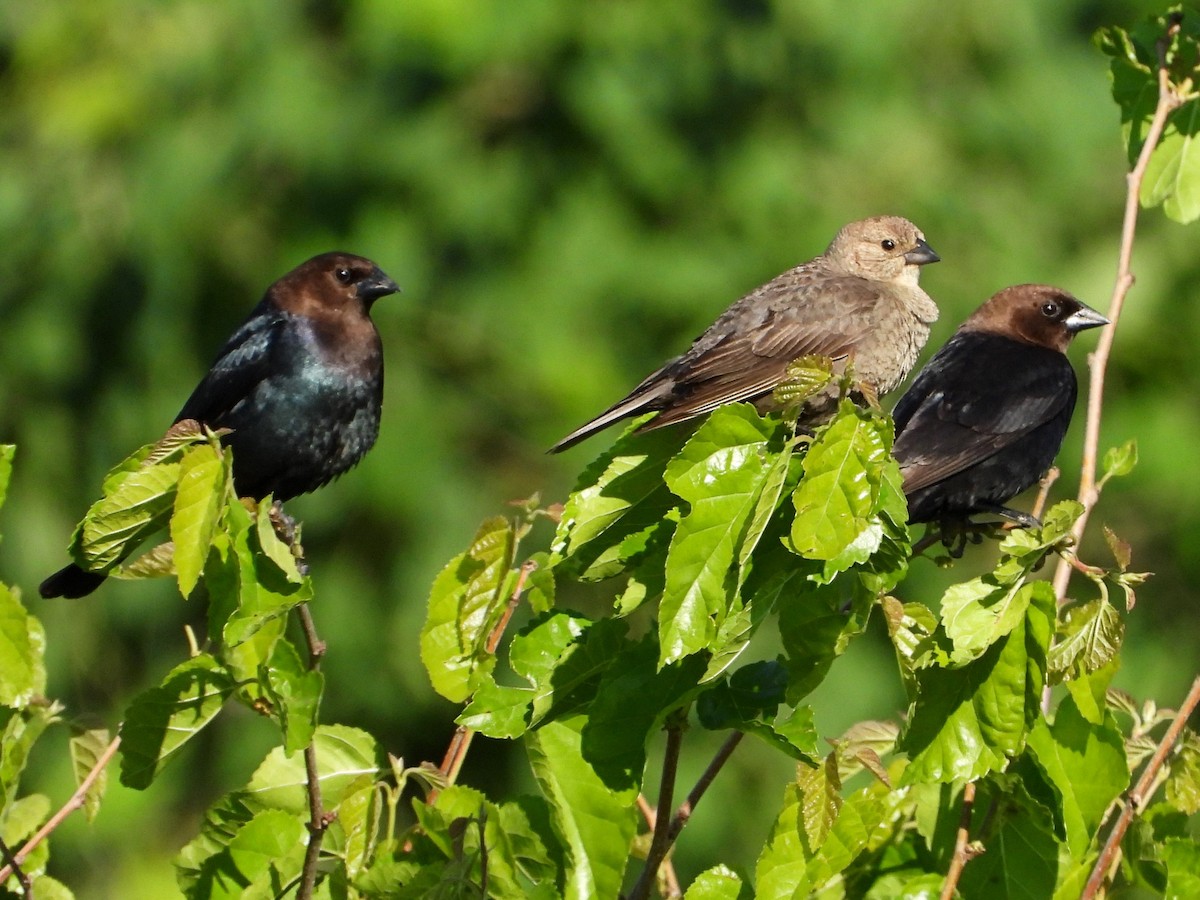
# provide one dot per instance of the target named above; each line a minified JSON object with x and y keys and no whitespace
{"x":921,"y":255}
{"x":1084,"y":318}
{"x":376,"y":285}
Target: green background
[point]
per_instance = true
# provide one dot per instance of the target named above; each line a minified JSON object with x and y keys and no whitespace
{"x":568,"y":193}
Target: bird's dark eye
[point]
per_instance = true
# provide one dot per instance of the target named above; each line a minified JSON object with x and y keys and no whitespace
{"x":1049,"y":310}
{"x":888,"y":244}
{"x":344,"y":275}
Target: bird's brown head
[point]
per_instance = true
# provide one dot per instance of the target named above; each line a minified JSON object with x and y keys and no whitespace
{"x":883,"y":248}
{"x":332,"y":283}
{"x":1036,"y":314}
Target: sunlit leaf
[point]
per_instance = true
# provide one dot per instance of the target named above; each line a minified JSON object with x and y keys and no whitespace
{"x":162,"y":719}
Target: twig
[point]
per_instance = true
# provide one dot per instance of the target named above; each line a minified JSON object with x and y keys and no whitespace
{"x":1044,"y":486}
{"x":1169,"y":99}
{"x":22,"y":879}
{"x":963,"y":853}
{"x":660,"y":843}
{"x":456,"y":753}
{"x":702,"y":784}
{"x":667,"y":868}
{"x":318,"y":821}
{"x":75,"y":802}
{"x":1142,"y":791}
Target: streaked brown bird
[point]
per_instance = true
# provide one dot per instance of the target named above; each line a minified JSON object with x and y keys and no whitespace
{"x":985,"y":418}
{"x":300,"y":384}
{"x":858,"y":301}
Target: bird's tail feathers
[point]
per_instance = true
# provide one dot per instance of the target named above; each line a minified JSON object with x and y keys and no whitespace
{"x":71,"y":582}
{"x":630,"y":406}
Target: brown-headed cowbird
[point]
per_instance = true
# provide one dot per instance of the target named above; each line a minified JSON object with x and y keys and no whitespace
{"x":300,"y":384}
{"x":985,"y":418}
{"x":859,"y":301}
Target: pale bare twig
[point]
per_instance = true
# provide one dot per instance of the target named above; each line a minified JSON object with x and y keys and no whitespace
{"x":1136,"y":799}
{"x":1169,"y":99}
{"x":702,"y":784}
{"x":75,"y":802}
{"x":963,"y":853}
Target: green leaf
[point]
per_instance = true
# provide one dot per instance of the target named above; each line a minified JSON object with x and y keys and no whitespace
{"x":1183,"y":783}
{"x":561,"y":656}
{"x":86,"y":750}
{"x":21,"y":819}
{"x":1172,"y":176}
{"x":977,"y":613}
{"x":22,"y":643}
{"x":717,"y":883}
{"x":793,"y":864}
{"x":836,"y":500}
{"x":815,"y":628}
{"x":632,"y":698}
{"x":273,"y":546}
{"x":263,"y":592}
{"x":295,"y":692}
{"x":7,"y":451}
{"x":1090,"y":636}
{"x":1086,"y":767}
{"x":204,"y":477}
{"x":804,"y":377}
{"x":347,"y":761}
{"x":593,"y":823}
{"x":619,"y":496}
{"x":749,"y":701}
{"x":721,"y":473}
{"x":138,"y":499}
{"x":1182,"y":860}
{"x":466,"y":598}
{"x":162,"y":719}
{"x":969,"y":720}
{"x":260,"y":855}
{"x":1120,"y":461}
{"x":1022,"y":857}
{"x":19,"y":731}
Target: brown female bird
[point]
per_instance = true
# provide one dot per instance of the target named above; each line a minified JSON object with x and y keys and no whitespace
{"x":858,"y":301}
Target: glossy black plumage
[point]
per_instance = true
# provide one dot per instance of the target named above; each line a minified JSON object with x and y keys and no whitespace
{"x":300,"y":383}
{"x":985,"y":418}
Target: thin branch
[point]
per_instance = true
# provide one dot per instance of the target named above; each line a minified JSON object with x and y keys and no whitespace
{"x":12,"y":865}
{"x":1169,"y":99}
{"x":667,"y":868}
{"x":75,"y":802}
{"x":456,"y":753}
{"x":1136,"y":799}
{"x":1044,"y":486}
{"x":963,"y":853}
{"x":702,"y":784}
{"x":660,"y":843}
{"x":318,"y":821}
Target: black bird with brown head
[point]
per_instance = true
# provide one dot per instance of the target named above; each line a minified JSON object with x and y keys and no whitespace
{"x":300,"y":385}
{"x":985,"y":418}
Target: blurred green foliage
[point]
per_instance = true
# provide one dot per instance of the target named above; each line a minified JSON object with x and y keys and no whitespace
{"x":568,"y":193}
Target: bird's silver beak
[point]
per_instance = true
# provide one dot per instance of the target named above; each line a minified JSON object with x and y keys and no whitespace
{"x":1083,"y":318}
{"x":376,"y":286}
{"x":921,"y":255}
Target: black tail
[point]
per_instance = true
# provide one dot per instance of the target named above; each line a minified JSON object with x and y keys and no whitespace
{"x":71,"y":581}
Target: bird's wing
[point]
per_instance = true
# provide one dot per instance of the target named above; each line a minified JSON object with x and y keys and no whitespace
{"x":978,"y":395}
{"x":747,"y":351}
{"x":242,"y":364}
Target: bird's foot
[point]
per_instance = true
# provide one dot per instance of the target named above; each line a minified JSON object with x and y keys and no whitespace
{"x":288,"y":530}
{"x":1016,"y":517}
